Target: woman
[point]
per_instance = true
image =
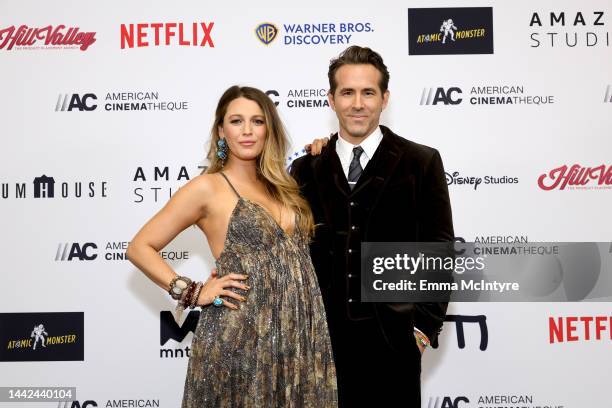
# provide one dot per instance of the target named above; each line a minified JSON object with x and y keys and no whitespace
{"x":264,"y":341}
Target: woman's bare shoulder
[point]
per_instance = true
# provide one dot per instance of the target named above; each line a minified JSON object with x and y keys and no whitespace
{"x":204,"y":186}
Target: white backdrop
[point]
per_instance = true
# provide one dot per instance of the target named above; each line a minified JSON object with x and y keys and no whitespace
{"x":118,"y":151}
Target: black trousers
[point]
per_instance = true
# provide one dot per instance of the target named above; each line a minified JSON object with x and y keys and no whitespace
{"x":370,"y":373}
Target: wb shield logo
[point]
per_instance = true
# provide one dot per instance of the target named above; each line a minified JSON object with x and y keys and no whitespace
{"x":266,"y":32}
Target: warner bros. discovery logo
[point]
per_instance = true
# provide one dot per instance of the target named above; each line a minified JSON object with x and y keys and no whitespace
{"x":266,"y":32}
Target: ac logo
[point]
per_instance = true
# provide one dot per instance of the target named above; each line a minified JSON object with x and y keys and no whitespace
{"x":69,"y":251}
{"x":271,"y":93}
{"x":434,"y":96}
{"x":608,"y":97}
{"x":447,"y":402}
{"x":77,"y":404}
{"x":70,"y":102}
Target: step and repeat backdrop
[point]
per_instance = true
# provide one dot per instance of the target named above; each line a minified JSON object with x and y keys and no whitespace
{"x":106,"y":111}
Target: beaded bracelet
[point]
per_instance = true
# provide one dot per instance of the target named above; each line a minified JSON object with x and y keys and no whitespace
{"x":186,"y":300}
{"x":178,"y":286}
{"x":196,"y":295}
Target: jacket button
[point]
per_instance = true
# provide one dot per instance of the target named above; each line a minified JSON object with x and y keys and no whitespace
{"x":350,"y":300}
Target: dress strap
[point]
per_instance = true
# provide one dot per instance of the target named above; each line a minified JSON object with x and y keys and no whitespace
{"x":230,"y":184}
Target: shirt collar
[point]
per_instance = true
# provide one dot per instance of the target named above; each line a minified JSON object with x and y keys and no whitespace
{"x":369,"y":145}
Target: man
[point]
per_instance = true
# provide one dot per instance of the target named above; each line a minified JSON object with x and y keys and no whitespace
{"x":369,"y":184}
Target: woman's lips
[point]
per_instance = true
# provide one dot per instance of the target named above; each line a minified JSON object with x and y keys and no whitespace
{"x":246,"y":144}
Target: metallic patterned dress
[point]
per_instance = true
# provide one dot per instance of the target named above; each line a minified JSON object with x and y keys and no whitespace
{"x":274,"y":351}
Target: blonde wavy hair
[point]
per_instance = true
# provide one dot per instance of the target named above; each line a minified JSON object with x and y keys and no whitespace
{"x":271,"y":168}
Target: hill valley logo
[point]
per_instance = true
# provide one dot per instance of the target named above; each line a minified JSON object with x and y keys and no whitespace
{"x":48,"y":37}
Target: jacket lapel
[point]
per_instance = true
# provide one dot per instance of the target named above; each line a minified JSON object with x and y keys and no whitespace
{"x":381,"y":166}
{"x":328,"y":170}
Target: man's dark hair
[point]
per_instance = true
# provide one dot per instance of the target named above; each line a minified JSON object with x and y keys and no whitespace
{"x":358,"y":55}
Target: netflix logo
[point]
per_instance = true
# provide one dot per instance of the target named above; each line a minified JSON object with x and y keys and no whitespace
{"x":157,"y":34}
{"x":579,"y":328}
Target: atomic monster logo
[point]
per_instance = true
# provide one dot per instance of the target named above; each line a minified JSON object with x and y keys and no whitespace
{"x":38,"y":334}
{"x":448,"y":28}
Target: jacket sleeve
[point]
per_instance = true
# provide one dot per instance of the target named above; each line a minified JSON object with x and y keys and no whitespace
{"x":435,"y":225}
{"x":296,"y":170}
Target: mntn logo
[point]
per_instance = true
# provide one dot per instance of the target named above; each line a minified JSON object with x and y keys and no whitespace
{"x":434,"y":96}
{"x":266,"y":32}
{"x":70,"y":102}
{"x":447,"y":402}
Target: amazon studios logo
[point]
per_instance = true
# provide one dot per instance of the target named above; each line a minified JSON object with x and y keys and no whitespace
{"x":443,"y":31}
{"x":563,"y":29}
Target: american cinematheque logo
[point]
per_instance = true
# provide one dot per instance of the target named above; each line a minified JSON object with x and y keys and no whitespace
{"x":577,"y":177}
{"x":41,"y":336}
{"x":440,"y":31}
{"x":119,"y":101}
{"x":49,"y":37}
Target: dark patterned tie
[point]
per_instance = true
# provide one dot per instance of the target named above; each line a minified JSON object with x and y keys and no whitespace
{"x":355,"y":169}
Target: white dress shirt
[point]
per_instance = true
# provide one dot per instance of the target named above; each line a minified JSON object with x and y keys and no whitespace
{"x":344,"y":150}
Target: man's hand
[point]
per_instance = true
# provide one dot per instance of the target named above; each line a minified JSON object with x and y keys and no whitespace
{"x":421,"y":341}
{"x":316,"y":147}
{"x":420,"y":346}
